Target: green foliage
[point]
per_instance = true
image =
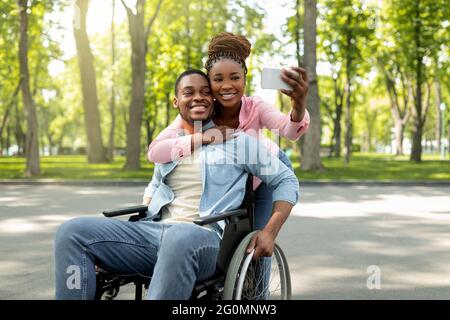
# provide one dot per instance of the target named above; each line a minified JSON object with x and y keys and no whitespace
{"x":382,"y":40}
{"x":346,"y":32}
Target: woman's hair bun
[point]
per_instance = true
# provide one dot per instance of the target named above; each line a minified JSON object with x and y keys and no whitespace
{"x":229,"y":42}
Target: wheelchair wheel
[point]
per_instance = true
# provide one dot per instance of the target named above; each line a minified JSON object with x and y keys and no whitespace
{"x":263,"y":279}
{"x":110,"y":294}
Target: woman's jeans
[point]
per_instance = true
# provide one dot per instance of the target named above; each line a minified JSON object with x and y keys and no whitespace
{"x":263,"y":212}
{"x":263,"y":198}
{"x":174,"y":255}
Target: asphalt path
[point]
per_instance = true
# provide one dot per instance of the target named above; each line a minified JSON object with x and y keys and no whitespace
{"x":341,"y":241}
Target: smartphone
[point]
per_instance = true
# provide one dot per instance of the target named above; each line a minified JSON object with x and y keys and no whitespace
{"x":271,"y":79}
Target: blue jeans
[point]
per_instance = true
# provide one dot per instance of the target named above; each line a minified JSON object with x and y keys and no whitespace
{"x":263,"y":212}
{"x":174,"y":255}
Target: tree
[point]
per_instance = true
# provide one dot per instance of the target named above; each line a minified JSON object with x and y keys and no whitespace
{"x":348,"y":28}
{"x":438,"y":101}
{"x":112,"y":103}
{"x":139,"y":33}
{"x":398,"y":89}
{"x":416,"y":23}
{"x":9,"y":70}
{"x":311,"y":146}
{"x":32,"y":141}
{"x":95,"y":149}
{"x":9,"y":107}
{"x":391,"y":66}
{"x":334,"y":103}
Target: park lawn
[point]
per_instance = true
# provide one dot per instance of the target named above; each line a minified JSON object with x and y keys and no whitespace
{"x":75,"y":168}
{"x":381,"y":167}
{"x":365,"y":166}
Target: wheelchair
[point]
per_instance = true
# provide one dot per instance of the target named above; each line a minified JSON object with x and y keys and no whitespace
{"x":237,"y":276}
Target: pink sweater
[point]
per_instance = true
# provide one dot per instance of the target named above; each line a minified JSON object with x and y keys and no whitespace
{"x":255,"y":115}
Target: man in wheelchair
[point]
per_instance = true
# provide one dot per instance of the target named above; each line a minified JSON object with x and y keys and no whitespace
{"x":166,"y":245}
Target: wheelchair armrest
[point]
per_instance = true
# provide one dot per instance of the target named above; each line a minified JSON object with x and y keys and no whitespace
{"x":141,"y":209}
{"x":224,"y":215}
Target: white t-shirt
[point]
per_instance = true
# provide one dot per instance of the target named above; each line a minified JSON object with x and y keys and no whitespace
{"x":186,"y":183}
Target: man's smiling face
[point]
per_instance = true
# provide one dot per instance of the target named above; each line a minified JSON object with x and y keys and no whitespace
{"x":194,"y":100}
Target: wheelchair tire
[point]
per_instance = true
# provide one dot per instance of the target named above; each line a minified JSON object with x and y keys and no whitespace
{"x":241,"y":281}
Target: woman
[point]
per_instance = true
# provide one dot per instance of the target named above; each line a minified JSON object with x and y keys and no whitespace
{"x":227,"y":72}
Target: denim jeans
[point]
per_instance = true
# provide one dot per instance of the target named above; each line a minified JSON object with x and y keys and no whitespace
{"x":174,"y":255}
{"x":263,"y":212}
{"x":263,"y":198}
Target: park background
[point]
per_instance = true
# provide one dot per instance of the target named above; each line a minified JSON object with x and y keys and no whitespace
{"x":85,"y":86}
{"x":73,"y":139}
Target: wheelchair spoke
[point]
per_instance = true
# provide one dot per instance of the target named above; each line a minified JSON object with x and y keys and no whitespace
{"x":263,"y":282}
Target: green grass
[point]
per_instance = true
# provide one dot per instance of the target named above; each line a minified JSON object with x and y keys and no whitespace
{"x":362,"y":167}
{"x":382,"y":167}
{"x":75,"y":168}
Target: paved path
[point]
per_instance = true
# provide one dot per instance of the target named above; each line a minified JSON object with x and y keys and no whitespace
{"x":332,"y":239}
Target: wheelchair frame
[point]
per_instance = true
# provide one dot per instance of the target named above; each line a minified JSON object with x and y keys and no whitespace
{"x":240,"y":225}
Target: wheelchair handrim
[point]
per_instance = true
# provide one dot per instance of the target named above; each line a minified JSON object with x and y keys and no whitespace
{"x":243,"y":272}
{"x":232,"y":289}
{"x":279,"y":260}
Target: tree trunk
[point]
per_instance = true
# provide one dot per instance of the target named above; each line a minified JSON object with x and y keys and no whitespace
{"x":18,"y":131}
{"x":139,"y":36}
{"x":8,"y":139}
{"x":348,"y":122}
{"x":95,"y":149}
{"x":138,"y":65}
{"x":298,"y":53}
{"x":112,"y":103}
{"x":337,"y":132}
{"x":400,"y":117}
{"x":438,"y":100}
{"x":311,"y":147}
{"x":337,"y":129}
{"x":399,"y":135}
{"x":348,"y":111}
{"x":32,"y":140}
{"x":416,"y":150}
{"x":9,"y":108}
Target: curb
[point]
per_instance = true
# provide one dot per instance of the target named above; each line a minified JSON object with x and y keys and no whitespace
{"x":141,"y":183}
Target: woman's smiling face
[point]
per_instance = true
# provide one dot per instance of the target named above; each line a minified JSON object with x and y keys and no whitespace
{"x":227,"y":80}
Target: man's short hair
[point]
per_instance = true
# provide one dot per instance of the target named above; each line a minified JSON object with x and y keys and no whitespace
{"x":187,"y":73}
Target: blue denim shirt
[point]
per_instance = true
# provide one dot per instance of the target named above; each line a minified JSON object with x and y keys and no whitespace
{"x":225,"y":168}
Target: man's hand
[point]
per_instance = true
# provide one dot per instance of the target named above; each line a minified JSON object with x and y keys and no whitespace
{"x":263,"y":242}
